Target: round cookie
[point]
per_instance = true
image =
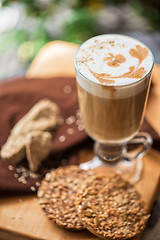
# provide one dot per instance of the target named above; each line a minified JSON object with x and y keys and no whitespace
{"x":110,"y":207}
{"x":57,"y":194}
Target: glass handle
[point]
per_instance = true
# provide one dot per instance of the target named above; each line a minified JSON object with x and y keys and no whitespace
{"x":144,"y":142}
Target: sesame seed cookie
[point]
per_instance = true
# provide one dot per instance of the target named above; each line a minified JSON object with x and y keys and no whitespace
{"x":57,"y":194}
{"x":110,"y":207}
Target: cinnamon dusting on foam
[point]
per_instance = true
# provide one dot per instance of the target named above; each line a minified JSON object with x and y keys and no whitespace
{"x":101,"y":55}
{"x":115,"y":61}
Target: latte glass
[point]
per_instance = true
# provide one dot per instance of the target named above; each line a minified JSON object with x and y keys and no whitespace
{"x":112,"y":114}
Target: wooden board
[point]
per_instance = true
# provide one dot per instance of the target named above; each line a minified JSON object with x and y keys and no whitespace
{"x":153,"y":107}
{"x":21,"y":217}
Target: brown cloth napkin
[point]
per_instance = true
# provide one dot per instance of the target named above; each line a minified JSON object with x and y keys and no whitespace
{"x":16,"y":99}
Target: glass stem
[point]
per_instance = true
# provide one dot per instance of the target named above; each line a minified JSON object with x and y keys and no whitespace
{"x":109,"y":153}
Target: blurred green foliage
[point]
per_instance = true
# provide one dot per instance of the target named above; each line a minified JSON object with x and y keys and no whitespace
{"x":80,"y":26}
{"x":150,"y":9}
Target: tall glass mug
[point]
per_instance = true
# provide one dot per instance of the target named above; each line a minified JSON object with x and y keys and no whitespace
{"x":113,"y":80}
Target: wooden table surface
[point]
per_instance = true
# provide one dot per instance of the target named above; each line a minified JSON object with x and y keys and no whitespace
{"x":21,"y":217}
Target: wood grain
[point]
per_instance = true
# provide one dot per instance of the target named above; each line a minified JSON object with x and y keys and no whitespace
{"x":153,"y":107}
{"x":21,"y":216}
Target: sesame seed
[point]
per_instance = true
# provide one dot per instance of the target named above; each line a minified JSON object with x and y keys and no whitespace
{"x":37,"y":184}
{"x":18,"y":170}
{"x":21,"y":180}
{"x":70,"y":120}
{"x":33,"y":188}
{"x":62,"y":138}
{"x":15,"y":175}
{"x":70,"y":131}
{"x":78,"y":121}
{"x":78,"y":114}
{"x":67,"y":89}
{"x":10,"y":167}
{"x":80,"y":127}
{"x":34,"y":175}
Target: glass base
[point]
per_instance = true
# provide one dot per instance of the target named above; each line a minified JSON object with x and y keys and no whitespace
{"x":129,"y":170}
{"x":125,"y":160}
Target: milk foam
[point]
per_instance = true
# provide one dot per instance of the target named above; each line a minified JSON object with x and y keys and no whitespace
{"x":112,"y":59}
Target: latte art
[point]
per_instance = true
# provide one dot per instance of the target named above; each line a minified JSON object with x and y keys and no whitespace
{"x":114,"y":60}
{"x":113,"y":78}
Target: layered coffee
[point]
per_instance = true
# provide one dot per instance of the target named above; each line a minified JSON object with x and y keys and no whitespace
{"x":113,"y":77}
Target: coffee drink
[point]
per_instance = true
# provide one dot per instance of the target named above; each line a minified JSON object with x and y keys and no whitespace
{"x":113,"y":78}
